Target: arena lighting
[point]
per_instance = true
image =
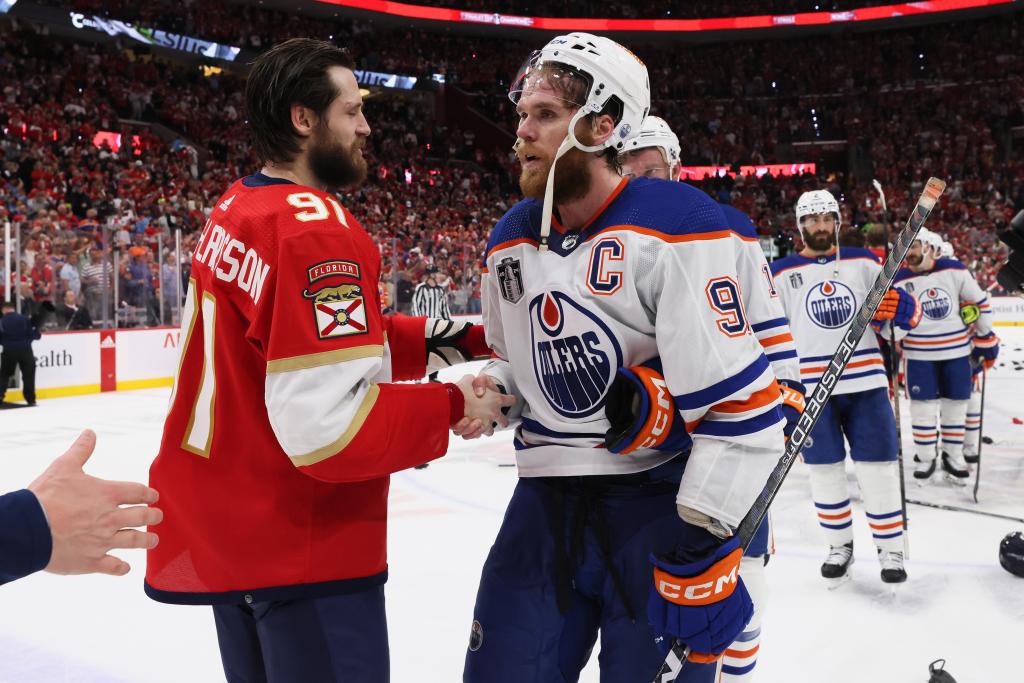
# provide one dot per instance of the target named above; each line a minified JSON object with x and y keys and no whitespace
{"x":701,"y":172}
{"x":113,"y":141}
{"x":764,"y":21}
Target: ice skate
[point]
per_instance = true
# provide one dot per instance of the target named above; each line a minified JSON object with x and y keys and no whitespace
{"x":837,"y":565}
{"x":892,"y":566}
{"x":954,"y":469}
{"x":924,"y":469}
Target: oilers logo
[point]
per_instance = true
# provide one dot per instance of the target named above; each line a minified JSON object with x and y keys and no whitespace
{"x":831,"y":304}
{"x":575,"y":355}
{"x":936,"y":303}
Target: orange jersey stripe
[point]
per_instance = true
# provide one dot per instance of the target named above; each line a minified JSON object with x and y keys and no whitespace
{"x":914,"y":342}
{"x":512,"y":243}
{"x":883,"y":527}
{"x":758,"y":399}
{"x":777,"y":339}
{"x":841,"y":515}
{"x":698,"y":237}
{"x":743,"y":654}
{"x":858,"y":364}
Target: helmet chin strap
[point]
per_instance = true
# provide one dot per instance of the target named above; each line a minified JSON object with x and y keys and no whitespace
{"x":568,"y":143}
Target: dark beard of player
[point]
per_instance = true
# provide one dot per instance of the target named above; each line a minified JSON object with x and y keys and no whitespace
{"x":334,"y":165}
{"x":820,"y":241}
{"x":572,"y":176}
{"x":915,"y":259}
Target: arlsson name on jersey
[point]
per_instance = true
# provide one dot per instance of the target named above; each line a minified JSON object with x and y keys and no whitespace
{"x":231,"y":260}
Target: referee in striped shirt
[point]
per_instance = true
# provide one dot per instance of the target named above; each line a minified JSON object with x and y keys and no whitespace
{"x":431,"y":299}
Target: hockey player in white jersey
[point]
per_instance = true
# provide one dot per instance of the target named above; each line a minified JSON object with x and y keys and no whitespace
{"x":956,"y":327}
{"x":657,"y":155}
{"x":972,"y":424}
{"x":589,"y":281}
{"x":821,"y":288}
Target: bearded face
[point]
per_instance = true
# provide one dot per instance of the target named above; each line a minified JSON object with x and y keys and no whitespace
{"x":819,"y":231}
{"x":334,"y":164}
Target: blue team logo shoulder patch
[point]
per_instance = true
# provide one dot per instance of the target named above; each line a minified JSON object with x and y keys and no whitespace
{"x":575,"y":354}
{"x":936,"y":303}
{"x":831,"y":304}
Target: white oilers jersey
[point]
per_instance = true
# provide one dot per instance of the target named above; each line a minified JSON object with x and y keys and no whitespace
{"x":941,"y":334}
{"x":761,"y":299}
{"x":820,"y":307}
{"x":653,"y":273}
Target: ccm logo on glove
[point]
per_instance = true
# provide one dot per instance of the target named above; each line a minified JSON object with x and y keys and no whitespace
{"x":718,"y":582}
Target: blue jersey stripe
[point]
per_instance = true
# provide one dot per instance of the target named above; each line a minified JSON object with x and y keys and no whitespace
{"x":740,"y":427}
{"x":537,"y":428}
{"x":768,"y":324}
{"x":847,"y":525}
{"x":832,"y":506}
{"x":845,"y":377}
{"x":738,"y":670}
{"x":895,"y":535}
{"x":814,"y":359}
{"x":914,"y":335}
{"x":936,"y":348}
{"x":721,"y":390}
{"x":748,"y":636}
{"x":885,"y":516}
{"x":781,"y":355}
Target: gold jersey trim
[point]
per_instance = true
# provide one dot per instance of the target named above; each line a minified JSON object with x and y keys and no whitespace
{"x":342,"y":441}
{"x":316,"y":360}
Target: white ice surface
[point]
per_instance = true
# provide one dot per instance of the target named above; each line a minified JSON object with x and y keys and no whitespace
{"x":958,"y":603}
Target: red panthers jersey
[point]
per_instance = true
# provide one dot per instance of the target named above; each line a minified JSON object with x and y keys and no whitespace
{"x":284,"y":424}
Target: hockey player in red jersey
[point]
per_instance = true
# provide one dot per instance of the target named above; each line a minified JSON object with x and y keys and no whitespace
{"x":284,"y":423}
{"x":617,"y":519}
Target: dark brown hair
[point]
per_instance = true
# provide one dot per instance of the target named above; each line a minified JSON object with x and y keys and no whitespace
{"x":292,"y":72}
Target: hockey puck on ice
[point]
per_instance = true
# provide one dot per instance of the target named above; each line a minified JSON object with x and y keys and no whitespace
{"x":987,"y":440}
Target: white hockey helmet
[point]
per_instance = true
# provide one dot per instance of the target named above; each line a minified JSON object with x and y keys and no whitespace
{"x":595,"y":74}
{"x":657,"y":133}
{"x":927,"y":238}
{"x":816,"y":202}
{"x":945,"y":250}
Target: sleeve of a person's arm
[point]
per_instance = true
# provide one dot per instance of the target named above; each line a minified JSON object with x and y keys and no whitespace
{"x":25,"y":540}
{"x":327,"y":404}
{"x":768,"y":320}
{"x":971,"y":292}
{"x":723,"y":385}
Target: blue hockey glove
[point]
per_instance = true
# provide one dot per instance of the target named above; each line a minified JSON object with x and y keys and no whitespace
{"x":642,"y":412}
{"x":986,"y":349}
{"x":793,"y":393}
{"x":702,"y":603}
{"x":901,"y":307}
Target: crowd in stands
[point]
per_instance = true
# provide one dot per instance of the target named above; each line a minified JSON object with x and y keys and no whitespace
{"x":88,"y":214}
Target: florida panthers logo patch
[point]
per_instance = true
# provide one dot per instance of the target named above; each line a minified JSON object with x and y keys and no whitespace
{"x":936,"y":303}
{"x":338,"y":311}
{"x":575,"y":355}
{"x":831,"y":304}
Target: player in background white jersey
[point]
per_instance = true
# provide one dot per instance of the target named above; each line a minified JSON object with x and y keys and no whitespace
{"x":657,"y":155}
{"x":821,"y":288}
{"x":589,"y":282}
{"x":956,"y":328}
{"x":972,"y":425}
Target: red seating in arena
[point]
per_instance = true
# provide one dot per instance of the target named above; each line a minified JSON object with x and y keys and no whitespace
{"x":891,"y":103}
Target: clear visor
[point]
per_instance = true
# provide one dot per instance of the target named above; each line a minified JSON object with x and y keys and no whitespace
{"x":551,"y":79}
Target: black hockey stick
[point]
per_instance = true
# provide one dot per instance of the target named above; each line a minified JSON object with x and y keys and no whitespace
{"x":981,"y":433}
{"x":895,"y":384}
{"x":954,"y":508}
{"x":676,"y":658}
